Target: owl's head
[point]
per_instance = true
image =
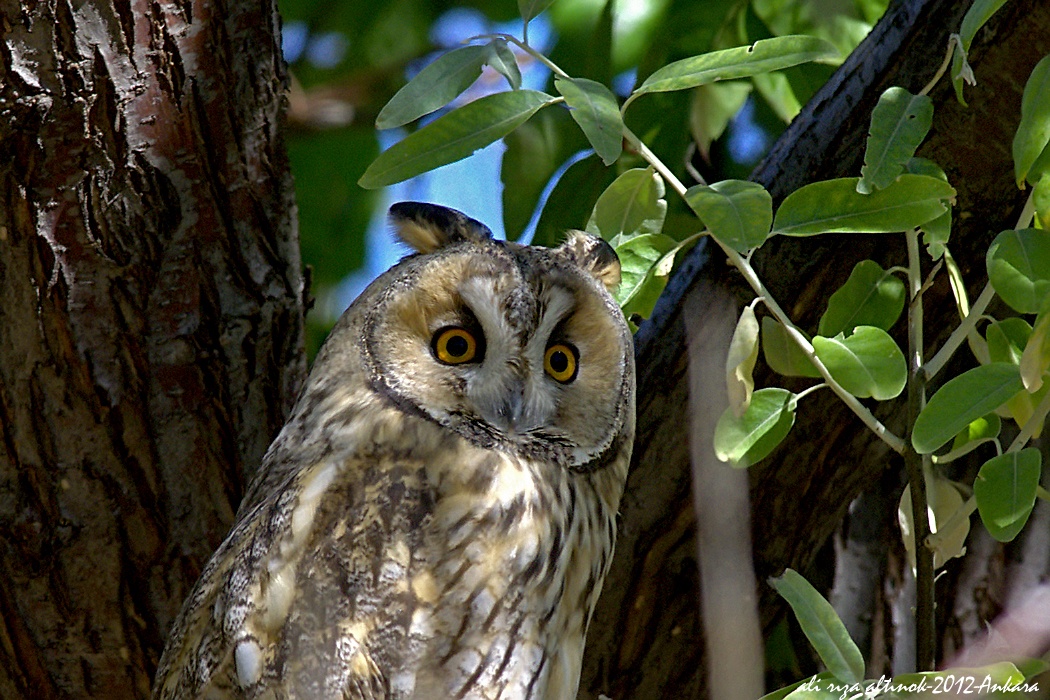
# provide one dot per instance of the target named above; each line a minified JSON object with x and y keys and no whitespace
{"x":513,"y":347}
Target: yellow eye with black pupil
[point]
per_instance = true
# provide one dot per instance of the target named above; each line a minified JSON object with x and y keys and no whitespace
{"x":455,"y":345}
{"x":560,"y":362}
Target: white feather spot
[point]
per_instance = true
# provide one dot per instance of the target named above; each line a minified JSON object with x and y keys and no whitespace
{"x":248,"y":658}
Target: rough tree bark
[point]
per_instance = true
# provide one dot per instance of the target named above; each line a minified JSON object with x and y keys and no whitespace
{"x":645,"y":640}
{"x":151,"y":319}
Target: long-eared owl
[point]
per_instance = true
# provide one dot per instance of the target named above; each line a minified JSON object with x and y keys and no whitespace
{"x":437,"y":516}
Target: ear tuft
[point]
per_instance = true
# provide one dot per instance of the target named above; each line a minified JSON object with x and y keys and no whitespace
{"x":594,"y":256}
{"x":427,"y":227}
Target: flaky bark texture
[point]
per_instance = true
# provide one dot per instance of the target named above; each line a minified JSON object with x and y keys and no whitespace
{"x":150,"y":322}
{"x":645,"y":639}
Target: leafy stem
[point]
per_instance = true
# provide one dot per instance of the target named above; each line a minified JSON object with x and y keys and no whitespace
{"x":916,"y":465}
{"x":885,"y":434}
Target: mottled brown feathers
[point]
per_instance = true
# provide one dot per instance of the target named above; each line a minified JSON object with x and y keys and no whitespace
{"x":430,"y":525}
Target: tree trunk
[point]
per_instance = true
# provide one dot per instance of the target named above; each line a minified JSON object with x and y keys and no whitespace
{"x":151,"y":320}
{"x":645,"y":639}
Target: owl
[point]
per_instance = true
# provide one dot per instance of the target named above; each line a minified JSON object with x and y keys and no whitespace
{"x":437,"y":516}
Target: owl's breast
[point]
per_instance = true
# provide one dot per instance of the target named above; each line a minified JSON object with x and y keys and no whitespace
{"x":518,"y":552}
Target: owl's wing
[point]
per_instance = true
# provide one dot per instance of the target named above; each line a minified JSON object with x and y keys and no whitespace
{"x":310,"y":595}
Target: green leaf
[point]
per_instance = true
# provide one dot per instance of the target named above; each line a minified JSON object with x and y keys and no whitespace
{"x":980,"y":430}
{"x":783,"y":355}
{"x":532,"y":8}
{"x":822,"y":686}
{"x":503,"y":61}
{"x":866,"y":364}
{"x":935,"y":233}
{"x":645,"y":262}
{"x":570,"y":202}
{"x":595,"y":109}
{"x":1035,"y":360}
{"x":776,"y":90}
{"x":435,"y":86}
{"x":870,"y":297}
{"x":745,"y":440}
{"x":454,"y":136}
{"x":963,"y":399}
{"x":1033,"y":133}
{"x":1007,"y":339}
{"x":1019,"y":268}
{"x":711,"y":108}
{"x":634,"y":203}
{"x":979,"y":13}
{"x":835,"y":206}
{"x":899,"y":123}
{"x":822,"y":627}
{"x":740,"y":362}
{"x":738,"y":213}
{"x":1005,"y":491}
{"x":1041,"y":199}
{"x":740,"y":62}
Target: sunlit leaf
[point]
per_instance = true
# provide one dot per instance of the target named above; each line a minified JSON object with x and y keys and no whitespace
{"x":1007,"y":341}
{"x":1041,"y":200}
{"x":899,"y":123}
{"x":645,"y":262}
{"x":776,"y":90}
{"x":738,"y":213}
{"x":1035,"y":360}
{"x":783,"y":355}
{"x":979,"y":430}
{"x":435,"y":86}
{"x":870,"y":297}
{"x":822,"y":627}
{"x":1033,"y":133}
{"x":740,"y":62}
{"x":740,"y":361}
{"x":1005,"y":491}
{"x":595,"y":109}
{"x":454,"y":136}
{"x":745,"y":440}
{"x":868,"y":363}
{"x":634,"y":203}
{"x":942,"y":502}
{"x":935,"y":232}
{"x":1019,"y":268}
{"x":835,"y":206}
{"x":963,"y":399}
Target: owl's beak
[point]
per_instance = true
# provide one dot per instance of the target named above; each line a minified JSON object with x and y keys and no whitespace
{"x":512,"y":416}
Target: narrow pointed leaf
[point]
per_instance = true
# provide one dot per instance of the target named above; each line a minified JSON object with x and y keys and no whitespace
{"x":595,"y":109}
{"x":454,"y":136}
{"x":822,"y":627}
{"x":634,"y":203}
{"x":745,"y":440}
{"x":783,"y":355}
{"x":961,"y":400}
{"x":743,"y":61}
{"x":870,"y":297}
{"x":979,"y":13}
{"x":866,"y":364}
{"x":1033,"y":133}
{"x":737,"y":212}
{"x":435,"y":86}
{"x":899,"y":123}
{"x":1019,"y":268}
{"x":1005,"y":490}
{"x":835,"y":206}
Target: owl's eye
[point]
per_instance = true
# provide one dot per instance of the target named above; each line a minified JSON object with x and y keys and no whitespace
{"x":561,"y":362}
{"x":454,"y":345}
